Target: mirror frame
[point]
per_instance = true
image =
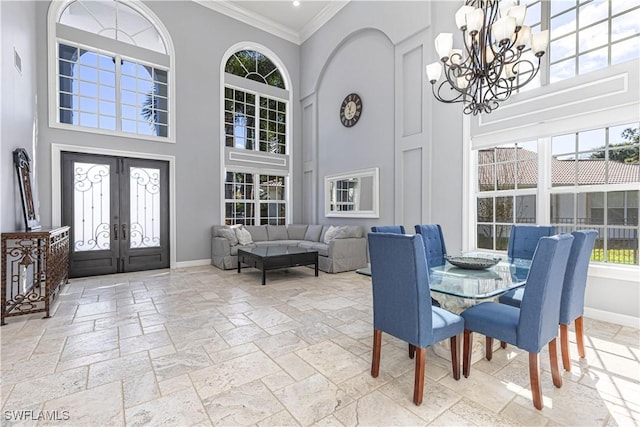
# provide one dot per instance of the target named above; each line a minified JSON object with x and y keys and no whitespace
{"x":375,"y":197}
{"x":22,"y":164}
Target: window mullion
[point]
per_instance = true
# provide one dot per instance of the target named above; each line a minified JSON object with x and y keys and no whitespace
{"x":118,"y":64}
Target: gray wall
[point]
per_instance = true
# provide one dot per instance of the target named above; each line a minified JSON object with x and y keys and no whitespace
{"x":200,"y":37}
{"x":18,"y":109}
{"x":378,"y":49}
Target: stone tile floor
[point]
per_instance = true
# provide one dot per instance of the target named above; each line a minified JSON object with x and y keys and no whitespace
{"x":200,"y":346}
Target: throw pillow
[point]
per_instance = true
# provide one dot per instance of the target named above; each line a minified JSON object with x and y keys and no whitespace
{"x":243,"y":235}
{"x":331,"y":234}
{"x":229,"y":234}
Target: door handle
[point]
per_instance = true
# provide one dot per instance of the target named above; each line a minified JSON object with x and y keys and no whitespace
{"x":115,"y":231}
{"x":124,"y":231}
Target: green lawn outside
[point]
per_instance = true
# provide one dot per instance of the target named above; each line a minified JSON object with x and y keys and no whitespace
{"x":616,"y":256}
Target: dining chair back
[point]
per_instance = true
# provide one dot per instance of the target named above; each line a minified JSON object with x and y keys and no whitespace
{"x":523,"y":239}
{"x":535,"y":323}
{"x":433,"y":241}
{"x":401,"y":303}
{"x":397,"y":229}
{"x":573,"y":290}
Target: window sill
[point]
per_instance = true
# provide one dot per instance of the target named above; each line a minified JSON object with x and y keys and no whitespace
{"x":170,"y":139}
{"x":629,"y":273}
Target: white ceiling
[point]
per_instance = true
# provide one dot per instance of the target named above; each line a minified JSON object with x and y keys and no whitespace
{"x":280,"y":17}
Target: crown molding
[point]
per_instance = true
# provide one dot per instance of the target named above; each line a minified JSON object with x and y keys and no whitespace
{"x":255,"y":20}
{"x":251,"y":18}
{"x":321,"y":18}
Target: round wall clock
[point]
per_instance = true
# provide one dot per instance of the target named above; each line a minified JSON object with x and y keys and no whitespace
{"x":351,"y":110}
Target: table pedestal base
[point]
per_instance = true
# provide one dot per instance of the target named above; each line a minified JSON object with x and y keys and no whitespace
{"x":458,"y":305}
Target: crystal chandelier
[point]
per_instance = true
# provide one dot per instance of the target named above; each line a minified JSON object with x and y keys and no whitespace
{"x":494,"y":61}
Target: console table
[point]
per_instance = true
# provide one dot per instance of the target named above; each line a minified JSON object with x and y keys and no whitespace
{"x":35,"y":264}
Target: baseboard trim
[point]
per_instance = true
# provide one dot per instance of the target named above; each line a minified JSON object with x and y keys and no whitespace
{"x":194,"y":263}
{"x":607,"y":316}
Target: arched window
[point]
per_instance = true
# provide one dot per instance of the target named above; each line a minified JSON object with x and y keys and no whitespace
{"x":256,"y":100}
{"x":113,"y":69}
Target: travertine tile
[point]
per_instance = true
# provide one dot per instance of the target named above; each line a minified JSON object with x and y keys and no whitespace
{"x":332,"y":361}
{"x":182,"y":408}
{"x":174,"y":364}
{"x":232,"y":373}
{"x":118,"y":369}
{"x":47,"y":387}
{"x":377,"y":409}
{"x":101,"y":406}
{"x":311,"y":399}
{"x":243,"y":405}
{"x":155,"y":347}
{"x":140,"y":388}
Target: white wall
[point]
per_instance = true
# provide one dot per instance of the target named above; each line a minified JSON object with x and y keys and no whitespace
{"x":18,"y":97}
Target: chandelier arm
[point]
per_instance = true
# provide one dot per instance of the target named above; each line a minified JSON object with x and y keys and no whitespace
{"x":437,"y":93}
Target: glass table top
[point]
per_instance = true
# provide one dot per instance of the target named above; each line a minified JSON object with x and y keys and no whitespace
{"x":276,"y":250}
{"x":475,"y":284}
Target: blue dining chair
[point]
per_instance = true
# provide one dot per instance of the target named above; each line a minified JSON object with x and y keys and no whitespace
{"x":401,"y":306}
{"x":573,"y":289}
{"x":396,"y":229}
{"x":524,"y":238}
{"x":535,"y":323}
{"x":434,"y":246}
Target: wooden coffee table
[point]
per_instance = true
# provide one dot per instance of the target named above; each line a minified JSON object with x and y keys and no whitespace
{"x":276,"y":257}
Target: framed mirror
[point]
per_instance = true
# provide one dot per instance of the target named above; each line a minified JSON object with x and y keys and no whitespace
{"x":23,"y":169}
{"x":352,"y":194}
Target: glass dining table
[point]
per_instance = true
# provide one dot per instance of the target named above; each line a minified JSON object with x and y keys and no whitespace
{"x":456,"y":289}
{"x":471,"y":284}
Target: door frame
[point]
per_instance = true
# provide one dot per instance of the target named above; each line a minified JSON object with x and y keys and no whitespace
{"x":56,"y":183}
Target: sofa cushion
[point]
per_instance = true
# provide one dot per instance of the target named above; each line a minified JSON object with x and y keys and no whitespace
{"x":322,"y":248}
{"x":313,"y":233}
{"x":258,"y":232}
{"x":277,"y":232}
{"x":353,"y":231}
{"x":228,"y":234}
{"x":244,"y":237}
{"x":296,"y":231}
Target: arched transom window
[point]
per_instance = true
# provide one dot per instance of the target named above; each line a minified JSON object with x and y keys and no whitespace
{"x":113,"y":69}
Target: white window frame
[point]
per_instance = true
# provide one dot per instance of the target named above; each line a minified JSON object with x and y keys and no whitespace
{"x":254,"y":161}
{"x":112,"y":47}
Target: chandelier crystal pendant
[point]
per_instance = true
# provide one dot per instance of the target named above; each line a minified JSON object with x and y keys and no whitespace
{"x":494,"y":61}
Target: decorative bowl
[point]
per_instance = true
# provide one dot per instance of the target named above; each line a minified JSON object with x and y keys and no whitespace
{"x":472,"y":262}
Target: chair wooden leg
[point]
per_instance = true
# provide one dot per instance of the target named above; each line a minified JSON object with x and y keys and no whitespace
{"x":466,"y":350}
{"x":454,"y":341}
{"x":534,"y":377}
{"x":488,"y":348}
{"x":375,"y":359}
{"x":564,"y":347}
{"x":503,"y":344}
{"x":412,"y":351}
{"x":553,"y":360}
{"x":580,"y":337}
{"x":418,"y":385}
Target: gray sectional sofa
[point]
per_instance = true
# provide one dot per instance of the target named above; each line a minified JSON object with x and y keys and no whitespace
{"x":342,"y":250}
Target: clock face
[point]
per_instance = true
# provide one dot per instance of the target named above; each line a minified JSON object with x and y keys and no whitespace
{"x":351,"y":110}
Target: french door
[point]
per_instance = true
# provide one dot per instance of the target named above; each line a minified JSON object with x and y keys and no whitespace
{"x":118,"y":211}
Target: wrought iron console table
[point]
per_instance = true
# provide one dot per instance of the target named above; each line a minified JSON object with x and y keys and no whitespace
{"x":35,"y":264}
